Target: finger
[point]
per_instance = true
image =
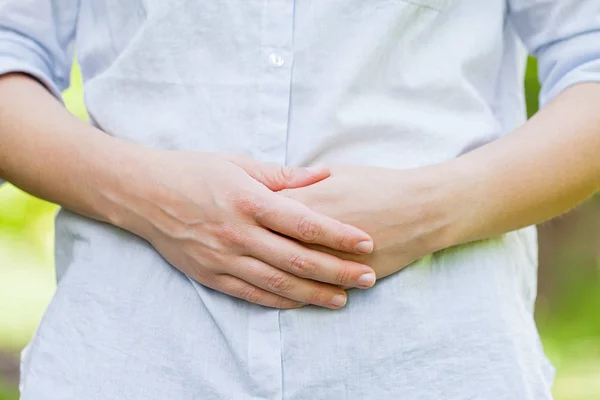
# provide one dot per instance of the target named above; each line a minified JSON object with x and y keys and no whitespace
{"x":297,"y":259}
{"x":294,"y":219}
{"x":236,"y":287}
{"x":279,"y":177}
{"x":289,"y":286}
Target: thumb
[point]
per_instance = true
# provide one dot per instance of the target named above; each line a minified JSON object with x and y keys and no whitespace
{"x":279,"y":177}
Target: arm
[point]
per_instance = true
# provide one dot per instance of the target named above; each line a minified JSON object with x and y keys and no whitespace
{"x":552,"y":163}
{"x":541,"y":170}
{"x":536,"y":173}
{"x":215,"y":222}
{"x":215,"y":214}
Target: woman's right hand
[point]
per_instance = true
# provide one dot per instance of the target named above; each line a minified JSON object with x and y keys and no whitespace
{"x":215,"y":218}
{"x":218,"y":220}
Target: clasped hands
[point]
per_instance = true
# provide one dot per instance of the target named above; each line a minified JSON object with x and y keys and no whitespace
{"x":285,"y":237}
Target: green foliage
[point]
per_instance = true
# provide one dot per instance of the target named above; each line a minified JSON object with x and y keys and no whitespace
{"x":532,"y":87}
{"x":26,"y":264}
{"x":8,"y":392}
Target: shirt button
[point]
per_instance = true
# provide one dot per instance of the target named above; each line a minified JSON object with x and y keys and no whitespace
{"x":276,"y":60}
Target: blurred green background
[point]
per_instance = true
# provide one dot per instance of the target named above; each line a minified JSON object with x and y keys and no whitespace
{"x":567,"y":312}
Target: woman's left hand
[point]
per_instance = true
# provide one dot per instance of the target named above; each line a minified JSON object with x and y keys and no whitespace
{"x":404,"y":211}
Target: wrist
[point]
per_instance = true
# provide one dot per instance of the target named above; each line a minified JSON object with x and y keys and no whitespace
{"x":463,"y":190}
{"x":128,"y":187}
{"x":442,"y":197}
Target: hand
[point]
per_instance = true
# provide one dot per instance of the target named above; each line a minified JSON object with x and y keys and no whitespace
{"x":397,"y":208}
{"x":216,"y":219}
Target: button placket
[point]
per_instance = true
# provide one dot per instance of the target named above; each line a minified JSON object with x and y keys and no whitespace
{"x":275,"y":99}
{"x":276,"y":61}
{"x":275,"y":81}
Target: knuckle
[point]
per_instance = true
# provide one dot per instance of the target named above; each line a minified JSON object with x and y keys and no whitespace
{"x":342,"y":240}
{"x":301,"y":266}
{"x":229,"y":234}
{"x":204,"y":277}
{"x":308,"y":230}
{"x":249,"y":204}
{"x":278,"y":282}
{"x":343,"y":275}
{"x":251,"y":294}
{"x":281,"y":302}
{"x":317,"y":296}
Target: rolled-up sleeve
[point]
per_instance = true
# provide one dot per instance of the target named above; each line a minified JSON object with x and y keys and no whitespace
{"x":37,"y":38}
{"x":564,"y":35}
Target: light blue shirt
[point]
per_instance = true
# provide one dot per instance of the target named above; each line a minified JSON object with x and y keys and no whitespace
{"x":390,"y":83}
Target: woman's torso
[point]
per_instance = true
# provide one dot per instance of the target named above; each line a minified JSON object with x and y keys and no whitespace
{"x":392,"y":83}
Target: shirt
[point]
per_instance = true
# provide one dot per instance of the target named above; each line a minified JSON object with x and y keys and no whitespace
{"x":390,"y":83}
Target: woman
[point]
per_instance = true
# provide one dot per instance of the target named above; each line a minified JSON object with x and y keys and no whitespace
{"x":169,"y":247}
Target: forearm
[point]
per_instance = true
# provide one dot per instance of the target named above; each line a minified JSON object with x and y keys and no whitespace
{"x":536,"y":173}
{"x":49,"y":153}
{"x":214,"y":218}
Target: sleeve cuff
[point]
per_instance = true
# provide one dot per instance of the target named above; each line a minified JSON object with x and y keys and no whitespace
{"x":586,"y":73}
{"x":15,"y":57}
{"x":10,"y":65}
{"x":567,"y":63}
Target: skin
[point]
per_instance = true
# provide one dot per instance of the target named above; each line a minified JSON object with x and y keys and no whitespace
{"x":214,"y":217}
{"x":548,"y":166}
{"x":403,"y":211}
{"x":223,"y":232}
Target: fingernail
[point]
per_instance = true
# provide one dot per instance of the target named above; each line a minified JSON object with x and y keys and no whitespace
{"x":339,"y":300}
{"x":366,"y":280}
{"x":365,"y":247}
